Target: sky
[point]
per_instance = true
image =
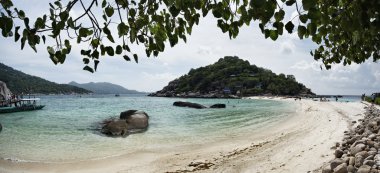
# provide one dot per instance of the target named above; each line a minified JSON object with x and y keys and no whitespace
{"x":288,"y":55}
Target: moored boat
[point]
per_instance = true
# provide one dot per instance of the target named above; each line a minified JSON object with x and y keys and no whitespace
{"x":20,"y":105}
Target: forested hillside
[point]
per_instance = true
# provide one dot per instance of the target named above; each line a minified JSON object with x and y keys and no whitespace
{"x":232,"y":76}
{"x":19,"y":82}
{"x":104,"y":88}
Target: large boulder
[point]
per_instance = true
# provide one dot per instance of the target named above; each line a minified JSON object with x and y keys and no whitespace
{"x":135,"y":119}
{"x":115,"y":128}
{"x":218,"y":106}
{"x":126,"y":114}
{"x":188,"y":104}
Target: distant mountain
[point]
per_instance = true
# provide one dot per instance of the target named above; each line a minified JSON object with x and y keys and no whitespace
{"x":232,"y":76}
{"x":105,"y":88}
{"x":19,"y":82}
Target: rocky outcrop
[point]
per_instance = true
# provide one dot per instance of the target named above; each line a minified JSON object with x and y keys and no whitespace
{"x":130,"y":121}
{"x":218,"y":106}
{"x":136,"y":120}
{"x":5,"y":93}
{"x":115,"y":128}
{"x":360,"y":149}
{"x":189,"y":104}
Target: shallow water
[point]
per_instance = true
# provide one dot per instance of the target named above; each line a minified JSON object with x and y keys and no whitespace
{"x":65,"y":129}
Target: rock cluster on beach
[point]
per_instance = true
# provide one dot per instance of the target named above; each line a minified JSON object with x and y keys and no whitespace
{"x":196,"y":105}
{"x":130,"y":121}
{"x":359,"y":151}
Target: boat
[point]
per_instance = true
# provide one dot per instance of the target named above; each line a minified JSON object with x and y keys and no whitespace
{"x":20,"y":105}
{"x":117,"y":95}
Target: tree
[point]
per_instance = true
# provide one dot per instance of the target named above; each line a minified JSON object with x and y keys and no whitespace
{"x":347,"y":31}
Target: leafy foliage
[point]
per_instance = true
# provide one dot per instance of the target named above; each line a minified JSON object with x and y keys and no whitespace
{"x":19,"y":82}
{"x":236,"y":75}
{"x":346,"y":31}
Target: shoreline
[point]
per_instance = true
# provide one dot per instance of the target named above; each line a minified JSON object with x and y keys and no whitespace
{"x":299,"y":143}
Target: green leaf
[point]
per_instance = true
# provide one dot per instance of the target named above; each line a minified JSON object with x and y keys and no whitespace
{"x":126,"y":47}
{"x":136,"y":58}
{"x":119,"y":50}
{"x":50,"y":50}
{"x":289,"y":27}
{"x":273,"y":35}
{"x":110,"y":38}
{"x":17,"y":35}
{"x":86,"y":60}
{"x":279,"y":15}
{"x":307,"y":4}
{"x":109,"y":11}
{"x":110,"y":51}
{"x":257,"y":3}
{"x":21,"y":14}
{"x":104,"y":3}
{"x":290,"y":2}
{"x":303,"y":18}
{"x":122,"y":29}
{"x":174,"y":11}
{"x":96,"y":62}
{"x":301,"y":31}
{"x":44,"y":38}
{"x":132,"y":12}
{"x":64,"y":15}
{"x":127,"y":58}
{"x":88,"y":69}
{"x":83,"y":32}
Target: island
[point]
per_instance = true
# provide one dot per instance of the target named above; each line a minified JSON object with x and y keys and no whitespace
{"x":232,"y":77}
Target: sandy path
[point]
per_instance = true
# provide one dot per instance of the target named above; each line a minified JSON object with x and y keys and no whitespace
{"x":300,"y":143}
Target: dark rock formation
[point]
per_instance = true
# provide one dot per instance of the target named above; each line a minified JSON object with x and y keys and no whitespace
{"x":1,"y":127}
{"x":360,"y":149}
{"x":188,"y":104}
{"x":125,"y":114}
{"x":218,"y":106}
{"x":130,"y":121}
{"x":115,"y":128}
{"x":137,"y":120}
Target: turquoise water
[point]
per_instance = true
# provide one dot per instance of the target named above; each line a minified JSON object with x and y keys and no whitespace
{"x":65,"y":129}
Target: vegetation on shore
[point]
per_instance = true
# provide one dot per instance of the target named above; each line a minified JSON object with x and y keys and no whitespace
{"x":369,"y":99}
{"x":231,"y":75}
{"x":21,"y":83}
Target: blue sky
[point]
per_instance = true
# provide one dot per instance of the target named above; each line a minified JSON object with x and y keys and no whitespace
{"x":206,"y":45}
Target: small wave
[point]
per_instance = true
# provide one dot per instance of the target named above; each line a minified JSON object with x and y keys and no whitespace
{"x":16,"y":160}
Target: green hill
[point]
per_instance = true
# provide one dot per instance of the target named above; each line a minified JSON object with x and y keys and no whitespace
{"x":19,"y":82}
{"x":232,"y":76}
{"x":105,"y":88}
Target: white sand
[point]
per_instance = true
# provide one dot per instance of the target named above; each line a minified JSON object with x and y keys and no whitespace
{"x":300,"y":143}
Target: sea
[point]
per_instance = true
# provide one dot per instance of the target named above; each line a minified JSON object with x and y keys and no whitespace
{"x":67,"y":128}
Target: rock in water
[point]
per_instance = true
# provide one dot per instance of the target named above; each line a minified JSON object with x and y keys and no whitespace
{"x":125,"y":114}
{"x":188,"y":104}
{"x":135,"y":119}
{"x":218,"y":106}
{"x":1,"y":127}
{"x":115,"y":128}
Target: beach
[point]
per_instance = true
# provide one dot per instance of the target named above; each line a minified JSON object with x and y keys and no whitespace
{"x":298,"y":143}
